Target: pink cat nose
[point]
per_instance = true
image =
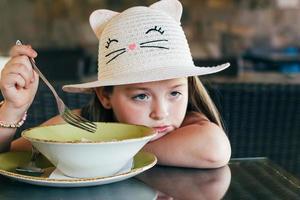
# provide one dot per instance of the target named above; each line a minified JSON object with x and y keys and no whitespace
{"x":132,"y":46}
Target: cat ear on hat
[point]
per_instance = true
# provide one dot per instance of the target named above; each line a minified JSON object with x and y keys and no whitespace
{"x":171,"y":7}
{"x":99,"y":18}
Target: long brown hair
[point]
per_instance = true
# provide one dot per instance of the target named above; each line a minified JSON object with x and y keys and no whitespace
{"x":198,"y":100}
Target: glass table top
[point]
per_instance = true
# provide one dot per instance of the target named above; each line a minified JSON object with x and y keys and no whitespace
{"x":247,"y":178}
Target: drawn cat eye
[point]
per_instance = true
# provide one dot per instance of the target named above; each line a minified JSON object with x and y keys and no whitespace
{"x":109,"y":41}
{"x":155,"y":29}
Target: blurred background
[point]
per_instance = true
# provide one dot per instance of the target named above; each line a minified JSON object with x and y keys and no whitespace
{"x":258,"y":96}
{"x":261,"y":32}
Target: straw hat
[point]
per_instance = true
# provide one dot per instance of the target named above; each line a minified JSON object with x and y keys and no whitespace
{"x":141,"y":44}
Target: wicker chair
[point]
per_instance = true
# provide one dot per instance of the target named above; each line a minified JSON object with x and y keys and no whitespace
{"x":261,"y":120}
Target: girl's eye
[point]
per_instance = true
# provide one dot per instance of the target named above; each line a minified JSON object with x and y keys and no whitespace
{"x":175,"y":94}
{"x":140,"y":97}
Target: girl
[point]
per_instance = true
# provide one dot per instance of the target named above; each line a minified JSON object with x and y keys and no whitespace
{"x":146,"y":76}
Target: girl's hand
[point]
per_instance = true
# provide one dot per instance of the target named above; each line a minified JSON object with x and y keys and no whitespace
{"x":19,"y":82}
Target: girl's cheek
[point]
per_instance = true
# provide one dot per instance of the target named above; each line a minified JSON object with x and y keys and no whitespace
{"x":130,"y":115}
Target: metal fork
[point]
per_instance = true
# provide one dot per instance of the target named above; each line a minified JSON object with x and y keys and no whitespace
{"x":64,"y":111}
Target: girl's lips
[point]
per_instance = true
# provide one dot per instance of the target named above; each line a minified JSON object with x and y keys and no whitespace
{"x":161,"y":129}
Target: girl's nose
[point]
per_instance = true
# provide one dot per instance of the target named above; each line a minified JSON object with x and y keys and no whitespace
{"x":159,"y":111}
{"x":132,"y":46}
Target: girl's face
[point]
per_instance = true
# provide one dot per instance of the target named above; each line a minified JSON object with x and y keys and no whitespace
{"x":160,"y":104}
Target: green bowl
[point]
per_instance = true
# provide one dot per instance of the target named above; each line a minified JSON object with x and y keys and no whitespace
{"x":81,"y":154}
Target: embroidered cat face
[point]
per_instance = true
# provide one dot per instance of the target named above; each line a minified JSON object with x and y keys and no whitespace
{"x":157,"y":43}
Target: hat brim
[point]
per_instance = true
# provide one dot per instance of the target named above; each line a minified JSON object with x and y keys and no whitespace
{"x":156,"y":74}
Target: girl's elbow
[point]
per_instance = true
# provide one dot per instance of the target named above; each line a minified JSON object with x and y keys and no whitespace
{"x":221,"y":153}
{"x":221,"y":159}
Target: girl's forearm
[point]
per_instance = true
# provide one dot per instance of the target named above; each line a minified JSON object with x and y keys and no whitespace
{"x":200,"y":146}
{"x":7,"y":116}
{"x":6,"y":136}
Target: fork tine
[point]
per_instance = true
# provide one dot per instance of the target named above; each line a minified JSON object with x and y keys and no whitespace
{"x":70,"y":113}
{"x":81,"y":119}
{"x":75,"y":123}
{"x":78,"y":117}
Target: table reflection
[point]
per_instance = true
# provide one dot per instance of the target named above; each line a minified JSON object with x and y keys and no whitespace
{"x":188,"y":184}
{"x":127,"y":190}
{"x":158,"y":183}
{"x":247,"y":178}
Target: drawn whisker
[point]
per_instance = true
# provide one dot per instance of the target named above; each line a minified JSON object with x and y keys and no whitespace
{"x":153,"y":41}
{"x":116,"y":56}
{"x":154,"y":47}
{"x":114,"y":52}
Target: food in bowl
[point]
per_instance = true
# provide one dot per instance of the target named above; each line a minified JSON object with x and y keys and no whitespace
{"x":81,"y":154}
